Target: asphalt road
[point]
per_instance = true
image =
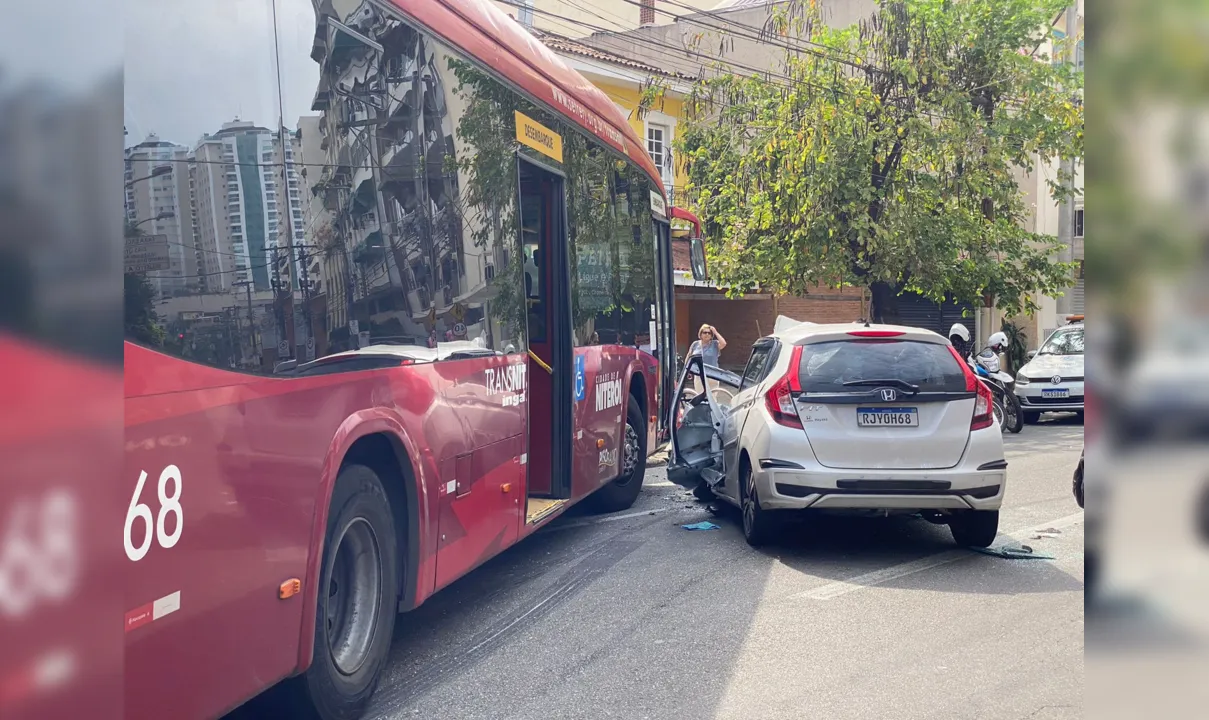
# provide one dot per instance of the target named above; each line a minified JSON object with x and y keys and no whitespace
{"x":631,"y":616}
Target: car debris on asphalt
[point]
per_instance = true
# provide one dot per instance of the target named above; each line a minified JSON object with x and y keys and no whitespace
{"x":1021,"y":552}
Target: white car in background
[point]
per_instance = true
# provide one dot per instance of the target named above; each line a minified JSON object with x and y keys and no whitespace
{"x":851,"y":418}
{"x":1052,"y":380}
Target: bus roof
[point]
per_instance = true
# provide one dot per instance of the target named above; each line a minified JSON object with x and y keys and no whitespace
{"x":483,"y":31}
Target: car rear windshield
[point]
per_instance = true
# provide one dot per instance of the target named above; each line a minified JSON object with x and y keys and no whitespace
{"x":826,"y":366}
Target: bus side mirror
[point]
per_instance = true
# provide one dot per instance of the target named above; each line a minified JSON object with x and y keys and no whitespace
{"x":697,"y":258}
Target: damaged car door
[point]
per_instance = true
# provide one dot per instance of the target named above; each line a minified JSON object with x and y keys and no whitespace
{"x":699,"y":413}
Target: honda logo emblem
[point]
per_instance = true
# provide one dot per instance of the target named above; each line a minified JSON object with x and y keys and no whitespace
{"x":889,"y":395}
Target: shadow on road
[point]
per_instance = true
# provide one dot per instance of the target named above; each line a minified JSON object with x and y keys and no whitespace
{"x":627,"y":615}
{"x":837,"y":548}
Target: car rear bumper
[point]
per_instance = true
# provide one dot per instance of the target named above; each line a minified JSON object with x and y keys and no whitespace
{"x":798,"y":489}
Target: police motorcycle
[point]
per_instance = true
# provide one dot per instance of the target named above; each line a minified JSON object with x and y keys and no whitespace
{"x":986,"y":367}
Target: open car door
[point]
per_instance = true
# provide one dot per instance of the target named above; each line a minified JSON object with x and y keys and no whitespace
{"x":702,"y":401}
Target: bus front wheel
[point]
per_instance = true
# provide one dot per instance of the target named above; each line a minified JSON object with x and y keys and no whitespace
{"x":358,"y":599}
{"x":631,"y":460}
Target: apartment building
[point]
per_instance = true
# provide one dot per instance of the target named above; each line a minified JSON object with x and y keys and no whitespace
{"x":236,"y":192}
{"x":159,"y":200}
{"x":395,"y":259}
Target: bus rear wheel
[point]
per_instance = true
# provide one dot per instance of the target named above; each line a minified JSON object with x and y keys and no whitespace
{"x":358,"y":600}
{"x":631,"y":459}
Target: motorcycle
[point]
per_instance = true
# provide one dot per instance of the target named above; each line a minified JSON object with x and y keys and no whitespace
{"x":1005,"y":403}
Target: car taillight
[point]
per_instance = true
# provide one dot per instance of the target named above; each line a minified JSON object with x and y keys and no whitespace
{"x":779,"y":398}
{"x":984,"y":415}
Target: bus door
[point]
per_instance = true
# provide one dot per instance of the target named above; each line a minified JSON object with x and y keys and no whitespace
{"x":546,"y":290}
{"x":665,"y":321}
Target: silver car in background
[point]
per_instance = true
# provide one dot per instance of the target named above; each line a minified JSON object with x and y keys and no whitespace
{"x":848,"y":418}
{"x":1052,"y":380}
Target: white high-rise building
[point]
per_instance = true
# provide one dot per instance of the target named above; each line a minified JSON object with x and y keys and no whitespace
{"x":159,"y":202}
{"x":291,"y":227}
{"x":237,"y":205}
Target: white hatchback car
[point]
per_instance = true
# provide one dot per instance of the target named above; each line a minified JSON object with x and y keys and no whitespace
{"x":852,"y":418}
{"x":1052,"y":379}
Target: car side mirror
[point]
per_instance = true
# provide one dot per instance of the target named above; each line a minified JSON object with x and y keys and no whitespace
{"x":697,"y":259}
{"x":1032,"y":354}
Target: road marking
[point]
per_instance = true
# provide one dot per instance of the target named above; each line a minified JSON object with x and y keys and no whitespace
{"x":877,"y":577}
{"x":611,"y":518}
{"x":659,"y":483}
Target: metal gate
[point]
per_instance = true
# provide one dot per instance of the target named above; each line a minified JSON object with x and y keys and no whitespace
{"x":917,"y":311}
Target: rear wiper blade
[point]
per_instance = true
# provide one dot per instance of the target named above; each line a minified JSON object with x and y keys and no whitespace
{"x":909,"y":387}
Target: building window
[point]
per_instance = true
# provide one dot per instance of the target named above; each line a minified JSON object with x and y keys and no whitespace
{"x":1078,"y":223}
{"x":525,"y":15}
{"x":656,"y":145}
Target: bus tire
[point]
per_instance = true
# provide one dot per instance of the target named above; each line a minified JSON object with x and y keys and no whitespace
{"x":623,"y":492}
{"x":358,"y":599}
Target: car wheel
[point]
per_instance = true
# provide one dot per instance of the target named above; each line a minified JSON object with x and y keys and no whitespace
{"x":1078,"y":484}
{"x":975,"y":528}
{"x":358,"y":600}
{"x":623,"y":492}
{"x":1013,"y":414}
{"x":758,"y":523}
{"x":1032,"y":418}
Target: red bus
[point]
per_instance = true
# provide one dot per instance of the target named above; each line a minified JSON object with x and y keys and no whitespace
{"x":440,"y":296}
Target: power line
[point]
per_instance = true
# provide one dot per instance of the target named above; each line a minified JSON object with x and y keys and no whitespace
{"x":686,"y":70}
{"x":819,"y":49}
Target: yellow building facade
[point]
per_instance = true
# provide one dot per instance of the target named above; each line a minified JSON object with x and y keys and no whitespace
{"x":625,"y":81}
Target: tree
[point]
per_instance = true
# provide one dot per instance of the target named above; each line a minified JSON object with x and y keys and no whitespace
{"x":886,"y":155}
{"x":140,"y":317}
{"x":140,"y":314}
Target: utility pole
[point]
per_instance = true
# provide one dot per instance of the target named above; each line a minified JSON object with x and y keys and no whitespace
{"x":305,"y":281}
{"x":1066,"y":207}
{"x":247,"y":284}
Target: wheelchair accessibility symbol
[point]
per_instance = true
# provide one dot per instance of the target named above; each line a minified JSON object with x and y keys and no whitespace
{"x":581,"y":383}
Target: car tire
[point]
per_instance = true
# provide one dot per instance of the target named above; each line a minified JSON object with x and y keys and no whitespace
{"x":1013,"y":414}
{"x":1032,"y":418}
{"x":357,"y":604}
{"x":621,"y":493}
{"x":975,"y":528}
{"x":759,"y":525}
{"x":1077,"y":485}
